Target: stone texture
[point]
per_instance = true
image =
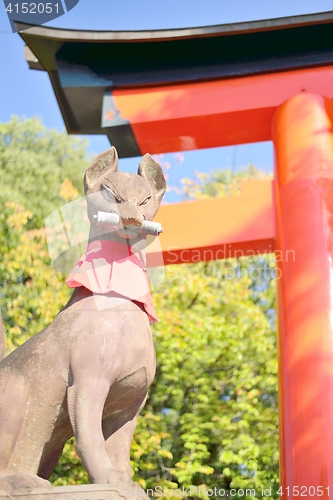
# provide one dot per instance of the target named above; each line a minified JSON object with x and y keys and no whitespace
{"x":130,"y":491}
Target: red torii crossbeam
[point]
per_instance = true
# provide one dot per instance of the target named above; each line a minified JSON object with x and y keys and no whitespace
{"x":245,"y":227}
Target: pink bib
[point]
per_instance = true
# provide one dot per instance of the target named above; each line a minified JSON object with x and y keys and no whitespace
{"x":109,"y":266}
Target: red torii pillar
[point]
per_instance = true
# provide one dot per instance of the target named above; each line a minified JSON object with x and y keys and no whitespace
{"x":303,"y":139}
{"x":303,"y":242}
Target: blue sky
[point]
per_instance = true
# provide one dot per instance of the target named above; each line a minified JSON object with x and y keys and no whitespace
{"x":27,"y":92}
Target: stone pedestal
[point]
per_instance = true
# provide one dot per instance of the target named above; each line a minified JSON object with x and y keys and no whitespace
{"x":131,"y":491}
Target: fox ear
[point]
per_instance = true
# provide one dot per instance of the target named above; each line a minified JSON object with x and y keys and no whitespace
{"x":103,"y":163}
{"x":153,"y":173}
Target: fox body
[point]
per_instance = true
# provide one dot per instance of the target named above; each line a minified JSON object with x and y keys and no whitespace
{"x":87,"y":374}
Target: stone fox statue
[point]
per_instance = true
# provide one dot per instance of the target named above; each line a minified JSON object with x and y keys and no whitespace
{"x":87,"y":374}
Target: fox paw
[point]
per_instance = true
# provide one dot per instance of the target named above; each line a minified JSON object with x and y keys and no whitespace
{"x":119,"y":477}
{"x":10,"y":482}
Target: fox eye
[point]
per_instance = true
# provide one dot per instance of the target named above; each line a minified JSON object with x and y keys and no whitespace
{"x":111,"y":196}
{"x":145,"y":202}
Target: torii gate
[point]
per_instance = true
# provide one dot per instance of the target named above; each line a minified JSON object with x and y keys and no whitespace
{"x":176,"y":90}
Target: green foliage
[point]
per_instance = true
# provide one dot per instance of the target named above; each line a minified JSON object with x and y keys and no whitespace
{"x":32,"y":291}
{"x":34,"y":162}
{"x":211,"y":418}
{"x":220,"y":183}
{"x":214,"y":395}
{"x":70,"y":469}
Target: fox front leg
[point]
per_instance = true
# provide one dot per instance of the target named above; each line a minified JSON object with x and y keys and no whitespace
{"x":118,"y":432}
{"x":92,"y":376}
{"x":85,"y":406}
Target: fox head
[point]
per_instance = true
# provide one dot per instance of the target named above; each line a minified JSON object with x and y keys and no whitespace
{"x":135,"y":198}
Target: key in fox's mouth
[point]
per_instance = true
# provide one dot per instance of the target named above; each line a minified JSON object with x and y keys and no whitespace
{"x":112,"y":221}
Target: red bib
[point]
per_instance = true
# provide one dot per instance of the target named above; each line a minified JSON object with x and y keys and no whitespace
{"x":109,"y":266}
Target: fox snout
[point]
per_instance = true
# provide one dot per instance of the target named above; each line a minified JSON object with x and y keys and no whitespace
{"x":130,"y":214}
